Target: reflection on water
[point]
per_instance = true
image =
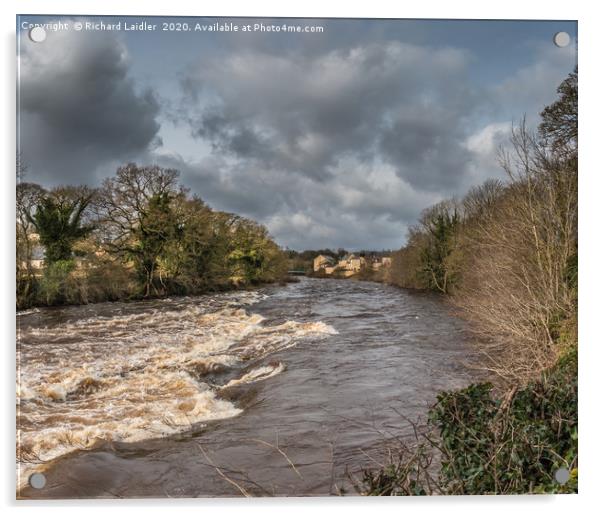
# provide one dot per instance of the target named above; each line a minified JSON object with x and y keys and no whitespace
{"x":165,"y":397}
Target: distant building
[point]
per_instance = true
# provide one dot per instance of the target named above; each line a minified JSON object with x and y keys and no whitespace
{"x":322,"y":262}
{"x":351,"y":263}
{"x":348,"y":265}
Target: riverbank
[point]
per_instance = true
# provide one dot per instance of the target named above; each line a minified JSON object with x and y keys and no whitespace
{"x":80,"y":295}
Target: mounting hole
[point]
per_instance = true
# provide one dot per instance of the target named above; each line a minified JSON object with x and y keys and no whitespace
{"x":562,"y":476}
{"x":37,"y":480}
{"x":562,"y":39}
{"x":37,"y":34}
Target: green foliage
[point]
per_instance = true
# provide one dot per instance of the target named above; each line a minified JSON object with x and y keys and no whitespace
{"x":442,"y":248}
{"x":63,"y":282}
{"x":253,"y":254}
{"x":58,"y":221}
{"x":516,"y":246}
{"x":304,"y":261}
{"x":27,"y":197}
{"x":507,"y":252}
{"x":436,"y":254}
{"x":150,"y":239}
{"x":53,"y":286}
{"x":27,"y":290}
{"x":157,"y":227}
{"x":102,"y":278}
{"x":559,"y":120}
{"x":429,"y":261}
{"x":512,"y":444}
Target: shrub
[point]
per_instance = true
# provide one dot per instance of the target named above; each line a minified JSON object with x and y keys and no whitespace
{"x":53,"y":284}
{"x":488,"y":445}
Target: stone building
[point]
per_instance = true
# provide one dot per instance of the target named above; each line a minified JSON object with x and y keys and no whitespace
{"x":321,"y":262}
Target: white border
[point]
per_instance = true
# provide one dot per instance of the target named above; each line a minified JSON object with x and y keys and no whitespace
{"x":590,"y":248}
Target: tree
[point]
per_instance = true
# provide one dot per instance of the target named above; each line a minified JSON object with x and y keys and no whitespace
{"x":158,"y":226}
{"x":480,"y":201}
{"x":249,"y":250}
{"x":135,"y":209}
{"x":187,"y":257}
{"x":559,"y":120}
{"x":150,"y":239}
{"x":28,"y":195}
{"x":58,"y":220}
{"x":441,"y":224}
{"x":519,"y":264}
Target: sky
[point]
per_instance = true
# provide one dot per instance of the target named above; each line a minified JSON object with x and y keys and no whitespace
{"x":332,"y":139}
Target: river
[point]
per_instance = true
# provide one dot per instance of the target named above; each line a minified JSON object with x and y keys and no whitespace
{"x":277,"y":391}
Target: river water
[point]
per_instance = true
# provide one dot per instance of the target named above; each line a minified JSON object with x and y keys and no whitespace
{"x":279,"y":391}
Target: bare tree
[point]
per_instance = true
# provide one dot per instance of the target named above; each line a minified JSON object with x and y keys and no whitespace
{"x":28,"y":196}
{"x":515,"y":282}
{"x":134,"y":211}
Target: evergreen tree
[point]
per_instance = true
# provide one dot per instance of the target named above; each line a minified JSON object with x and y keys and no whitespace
{"x":435,"y":256}
{"x":559,"y":120}
{"x":58,"y":221}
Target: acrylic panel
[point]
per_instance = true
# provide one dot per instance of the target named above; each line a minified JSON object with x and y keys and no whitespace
{"x":295,"y":257}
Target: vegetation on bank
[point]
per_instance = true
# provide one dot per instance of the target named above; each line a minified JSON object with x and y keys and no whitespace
{"x":140,"y":235}
{"x":478,"y":443}
{"x":506,"y":256}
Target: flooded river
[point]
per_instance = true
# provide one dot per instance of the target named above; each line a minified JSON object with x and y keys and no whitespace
{"x":278,"y":391}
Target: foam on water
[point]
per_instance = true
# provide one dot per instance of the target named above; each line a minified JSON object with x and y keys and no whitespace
{"x":259,"y":374}
{"x":139,"y":376}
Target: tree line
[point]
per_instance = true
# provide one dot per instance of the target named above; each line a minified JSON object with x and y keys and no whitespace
{"x":506,"y":253}
{"x":139,"y":235}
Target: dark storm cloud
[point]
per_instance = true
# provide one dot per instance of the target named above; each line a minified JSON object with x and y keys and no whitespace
{"x":345,"y":145}
{"x":427,"y":149}
{"x":302,"y":114}
{"x":79,"y":107}
{"x":338,"y":139}
{"x":234,"y":188}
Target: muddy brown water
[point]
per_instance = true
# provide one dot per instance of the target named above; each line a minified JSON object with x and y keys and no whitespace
{"x":280,"y":391}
